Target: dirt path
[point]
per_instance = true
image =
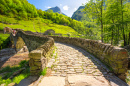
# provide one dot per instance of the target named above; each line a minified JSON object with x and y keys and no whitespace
{"x":72,"y":66}
{"x":14,"y":60}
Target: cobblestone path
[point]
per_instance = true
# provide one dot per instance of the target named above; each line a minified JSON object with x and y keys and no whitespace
{"x":72,"y":66}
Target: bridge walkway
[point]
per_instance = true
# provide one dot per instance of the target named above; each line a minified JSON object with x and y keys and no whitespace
{"x":72,"y":66}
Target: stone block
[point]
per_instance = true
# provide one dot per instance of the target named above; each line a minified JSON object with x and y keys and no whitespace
{"x":122,"y":54}
{"x":122,"y":71}
{"x":31,"y":62}
{"x":120,"y":65}
{"x":34,"y":68}
{"x":35,"y":54}
{"x":122,"y":77}
{"x":37,"y":64}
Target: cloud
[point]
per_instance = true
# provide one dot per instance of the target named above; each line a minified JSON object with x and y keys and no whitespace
{"x":75,"y":9}
{"x":65,"y":7}
{"x":48,"y":7}
{"x":60,"y":4}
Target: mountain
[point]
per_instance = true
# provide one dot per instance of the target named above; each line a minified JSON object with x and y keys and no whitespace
{"x":78,"y":14}
{"x":23,"y":10}
{"x":56,"y":9}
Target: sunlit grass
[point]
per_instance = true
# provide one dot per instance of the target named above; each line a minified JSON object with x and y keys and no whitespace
{"x":40,"y":25}
{"x":4,"y":36}
{"x":44,"y":71}
{"x":10,"y":70}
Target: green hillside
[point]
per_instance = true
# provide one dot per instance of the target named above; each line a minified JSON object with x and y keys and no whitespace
{"x":23,"y":15}
{"x":56,"y":9}
{"x":78,"y":14}
{"x":35,"y":24}
{"x":21,"y":10}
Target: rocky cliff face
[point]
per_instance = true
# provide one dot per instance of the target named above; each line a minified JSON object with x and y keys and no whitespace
{"x":56,"y":9}
{"x":78,"y":14}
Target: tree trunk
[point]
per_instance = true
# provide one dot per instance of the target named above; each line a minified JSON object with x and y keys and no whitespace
{"x":129,"y":39}
{"x":123,"y":25}
{"x":112,"y":37}
{"x":101,"y":22}
{"x":118,"y":34}
{"x":112,"y":33}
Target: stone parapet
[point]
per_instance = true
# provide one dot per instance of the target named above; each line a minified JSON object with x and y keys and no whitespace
{"x":115,"y":58}
{"x":40,"y":49}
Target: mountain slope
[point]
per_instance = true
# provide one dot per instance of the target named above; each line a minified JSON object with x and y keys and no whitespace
{"x":37,"y":25}
{"x":23,"y":10}
{"x":78,"y":14}
{"x":56,"y":9}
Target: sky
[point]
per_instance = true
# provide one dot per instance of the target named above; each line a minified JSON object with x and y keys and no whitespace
{"x":68,"y":7}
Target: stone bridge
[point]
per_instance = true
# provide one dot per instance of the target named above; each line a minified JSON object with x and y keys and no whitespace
{"x":41,"y":49}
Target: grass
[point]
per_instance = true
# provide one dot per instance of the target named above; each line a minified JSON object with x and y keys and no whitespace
{"x":4,"y":40}
{"x":56,"y":57}
{"x":5,"y":79}
{"x":44,"y":71}
{"x":37,"y":23}
{"x":4,"y":36}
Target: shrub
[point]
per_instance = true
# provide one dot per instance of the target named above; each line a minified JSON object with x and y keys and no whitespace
{"x":44,"y":71}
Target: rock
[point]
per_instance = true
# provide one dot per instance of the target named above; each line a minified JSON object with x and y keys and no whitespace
{"x":2,"y":84}
{"x":83,"y":80}
{"x":7,"y":51}
{"x":22,"y":50}
{"x":34,"y":68}
{"x":6,"y":54}
{"x":49,"y":32}
{"x":7,"y":30}
{"x":52,"y":81}
{"x":12,"y":84}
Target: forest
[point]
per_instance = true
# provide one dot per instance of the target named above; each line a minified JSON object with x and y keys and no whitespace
{"x":105,"y":20}
{"x":113,"y":18}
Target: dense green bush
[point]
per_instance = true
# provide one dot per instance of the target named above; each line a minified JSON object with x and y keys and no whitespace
{"x":10,"y":70}
{"x":4,"y":40}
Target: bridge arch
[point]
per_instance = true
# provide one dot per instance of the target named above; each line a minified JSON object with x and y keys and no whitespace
{"x":40,"y":48}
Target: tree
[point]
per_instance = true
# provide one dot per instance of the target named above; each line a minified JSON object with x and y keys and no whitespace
{"x":50,"y":11}
{"x":112,"y":16}
{"x":95,"y":8}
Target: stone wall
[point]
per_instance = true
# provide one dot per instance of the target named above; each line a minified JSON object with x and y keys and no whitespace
{"x":116,"y":58}
{"x":40,"y":49}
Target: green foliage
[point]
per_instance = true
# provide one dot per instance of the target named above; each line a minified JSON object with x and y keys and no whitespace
{"x":6,"y":82}
{"x":22,"y":10}
{"x":112,"y":16}
{"x":34,"y":24}
{"x":20,"y":77}
{"x":50,"y":11}
{"x":128,"y":76}
{"x":44,"y":71}
{"x":1,"y":28}
{"x":108,"y":20}
{"x":4,"y":40}
{"x":24,"y":63}
{"x":10,"y":70}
